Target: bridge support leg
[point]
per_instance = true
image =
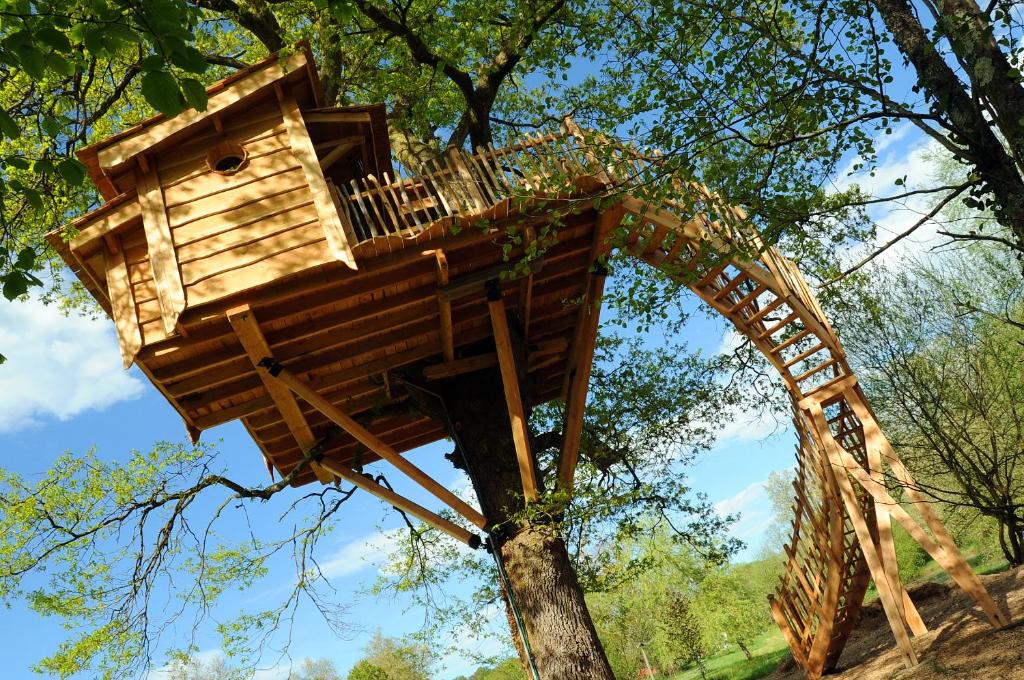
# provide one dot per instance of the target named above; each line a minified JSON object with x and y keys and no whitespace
{"x":867,"y":543}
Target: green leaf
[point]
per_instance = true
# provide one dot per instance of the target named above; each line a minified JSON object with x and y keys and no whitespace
{"x":2,"y":359}
{"x":8,"y":128}
{"x":162,"y":93}
{"x":52,"y":126}
{"x":51,"y":37}
{"x":122,"y":32}
{"x":94,"y":39}
{"x":77,"y":32}
{"x":32,"y":60}
{"x":72,"y":170}
{"x":189,"y":59}
{"x":59,"y":64}
{"x":15,"y":285}
{"x":153,"y":62}
{"x":33,"y":197}
{"x":195,"y":93}
{"x":26,"y":258}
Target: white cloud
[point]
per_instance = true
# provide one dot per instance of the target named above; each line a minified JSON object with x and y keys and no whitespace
{"x":368,"y":551}
{"x":915,"y":161}
{"x":750,"y":495}
{"x":57,"y":366}
{"x":755,"y":514}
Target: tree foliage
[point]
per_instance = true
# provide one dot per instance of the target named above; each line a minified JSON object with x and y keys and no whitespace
{"x":941,"y":364}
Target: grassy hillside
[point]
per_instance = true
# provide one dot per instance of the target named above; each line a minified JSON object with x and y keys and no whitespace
{"x":768,"y":650}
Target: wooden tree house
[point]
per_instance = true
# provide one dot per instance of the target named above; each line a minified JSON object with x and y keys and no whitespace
{"x":261,"y":262}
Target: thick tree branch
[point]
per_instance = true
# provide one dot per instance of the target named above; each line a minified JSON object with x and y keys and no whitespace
{"x":260,"y":21}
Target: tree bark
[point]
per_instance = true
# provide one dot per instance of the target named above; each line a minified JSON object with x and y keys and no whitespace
{"x":541,"y":576}
{"x":746,"y":652}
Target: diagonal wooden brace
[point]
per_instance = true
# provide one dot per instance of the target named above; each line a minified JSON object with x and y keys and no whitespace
{"x":402,"y":503}
{"x":513,"y":398}
{"x":247,"y":329}
{"x":582,"y":361}
{"x":834,"y":452}
{"x":945,"y":554}
{"x":371,"y":441}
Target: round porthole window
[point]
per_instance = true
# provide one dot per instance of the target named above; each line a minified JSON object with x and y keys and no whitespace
{"x":227,"y":158}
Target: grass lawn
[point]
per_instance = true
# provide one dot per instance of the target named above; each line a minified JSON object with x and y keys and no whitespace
{"x":768,"y":650}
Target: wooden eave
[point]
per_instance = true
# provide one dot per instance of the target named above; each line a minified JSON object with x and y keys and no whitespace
{"x":225,"y":96}
{"x":379,"y":142}
{"x":94,"y":281}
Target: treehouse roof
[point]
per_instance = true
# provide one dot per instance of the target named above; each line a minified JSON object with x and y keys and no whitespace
{"x":294,"y":73}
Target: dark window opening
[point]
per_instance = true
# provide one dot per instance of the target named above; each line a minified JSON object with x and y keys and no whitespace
{"x":227,"y":158}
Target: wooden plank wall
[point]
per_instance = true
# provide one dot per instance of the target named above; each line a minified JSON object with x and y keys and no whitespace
{"x":231,"y":232}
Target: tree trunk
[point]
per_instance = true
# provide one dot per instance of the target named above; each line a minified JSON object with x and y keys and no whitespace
{"x":1014,"y":552}
{"x":746,"y":651}
{"x":541,"y":576}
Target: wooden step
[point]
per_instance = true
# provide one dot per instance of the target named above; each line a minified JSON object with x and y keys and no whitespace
{"x":794,"y":339}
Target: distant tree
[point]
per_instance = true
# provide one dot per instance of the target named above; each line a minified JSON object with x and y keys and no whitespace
{"x":509,"y":669}
{"x":941,"y":348}
{"x":728,"y":607}
{"x":319,"y":669}
{"x":779,"y":487}
{"x":364,"y":670}
{"x":685,"y":632}
{"x":398,"y":660}
{"x":195,"y":668}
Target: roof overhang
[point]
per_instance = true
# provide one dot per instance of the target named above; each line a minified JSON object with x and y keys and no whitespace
{"x":159,"y":132}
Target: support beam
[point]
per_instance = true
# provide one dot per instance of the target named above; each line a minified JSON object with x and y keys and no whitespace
{"x":582,"y":362}
{"x":471,"y":283}
{"x":513,"y":398}
{"x":942,"y":549}
{"x":444,"y":308}
{"x":541,"y":353}
{"x":371,"y":441}
{"x":867,"y":544}
{"x":526,"y":287}
{"x":247,"y":328}
{"x":122,"y":305}
{"x":608,"y":221}
{"x":887,"y":547}
{"x":402,"y":503}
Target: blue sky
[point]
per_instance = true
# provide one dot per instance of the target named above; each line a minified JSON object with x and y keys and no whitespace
{"x":63,"y":389}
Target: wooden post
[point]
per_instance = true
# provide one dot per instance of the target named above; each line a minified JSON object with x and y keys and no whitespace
{"x":122,"y":304}
{"x":513,"y":398}
{"x":302,"y":148}
{"x":887,"y":548}
{"x":402,"y":503}
{"x":372,"y":442}
{"x":247,"y":329}
{"x":444,"y":308}
{"x":586,"y":339}
{"x":160,"y":244}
